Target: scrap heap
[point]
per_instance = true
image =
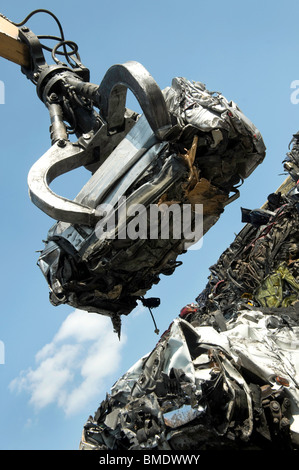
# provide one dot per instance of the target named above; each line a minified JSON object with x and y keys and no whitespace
{"x":226,"y":372}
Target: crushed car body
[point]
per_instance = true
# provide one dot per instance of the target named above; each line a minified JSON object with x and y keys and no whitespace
{"x":205,"y":389}
{"x":209,"y":150}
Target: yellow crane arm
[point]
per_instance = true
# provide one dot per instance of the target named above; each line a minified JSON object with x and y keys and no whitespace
{"x":11,"y":47}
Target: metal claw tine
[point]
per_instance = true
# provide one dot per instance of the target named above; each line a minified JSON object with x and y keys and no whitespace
{"x":113,"y":92}
{"x":53,"y":163}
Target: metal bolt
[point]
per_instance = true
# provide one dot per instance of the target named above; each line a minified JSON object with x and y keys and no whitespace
{"x":286,"y":403}
{"x":61,"y":143}
{"x":53,"y":97}
{"x":284,"y":422}
{"x":274,"y":406}
{"x":25,"y":29}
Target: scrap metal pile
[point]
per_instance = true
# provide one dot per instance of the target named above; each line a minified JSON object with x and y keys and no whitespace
{"x":226,"y":372}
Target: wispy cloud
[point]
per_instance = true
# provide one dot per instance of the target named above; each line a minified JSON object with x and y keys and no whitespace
{"x":71,"y":370}
{"x":140,"y":309}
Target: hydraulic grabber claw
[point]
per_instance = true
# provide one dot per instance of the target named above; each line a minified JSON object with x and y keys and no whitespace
{"x":71,"y":98}
{"x":100,"y":135}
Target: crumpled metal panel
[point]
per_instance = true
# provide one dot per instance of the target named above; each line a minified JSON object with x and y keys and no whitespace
{"x":109,"y":276}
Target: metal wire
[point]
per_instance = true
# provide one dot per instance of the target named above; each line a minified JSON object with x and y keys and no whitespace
{"x":64,"y":43}
{"x":61,"y":40}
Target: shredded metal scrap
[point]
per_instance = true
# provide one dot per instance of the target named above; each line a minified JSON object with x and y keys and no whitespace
{"x":226,"y":372}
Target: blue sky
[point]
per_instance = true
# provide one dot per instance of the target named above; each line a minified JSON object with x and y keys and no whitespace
{"x":59,"y":363}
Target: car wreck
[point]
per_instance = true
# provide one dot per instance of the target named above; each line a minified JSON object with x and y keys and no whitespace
{"x":209,"y":149}
{"x":225,"y":375}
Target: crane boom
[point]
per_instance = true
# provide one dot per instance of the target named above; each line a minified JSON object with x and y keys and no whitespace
{"x":11,"y":47}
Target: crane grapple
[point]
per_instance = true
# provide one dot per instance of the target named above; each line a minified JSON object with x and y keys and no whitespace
{"x":159,"y":178}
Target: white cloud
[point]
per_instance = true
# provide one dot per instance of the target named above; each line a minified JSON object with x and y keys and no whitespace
{"x":140,"y":309}
{"x":71,"y":370}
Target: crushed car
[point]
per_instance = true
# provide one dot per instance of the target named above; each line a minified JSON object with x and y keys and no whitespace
{"x":207,"y":153}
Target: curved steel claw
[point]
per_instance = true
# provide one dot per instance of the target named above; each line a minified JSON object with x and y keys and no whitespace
{"x":113,"y":93}
{"x":53,"y":163}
